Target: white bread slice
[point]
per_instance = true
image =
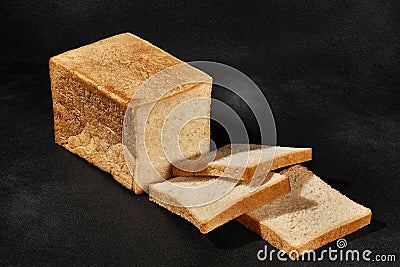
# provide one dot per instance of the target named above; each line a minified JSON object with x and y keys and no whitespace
{"x":310,"y":216}
{"x":242,"y":161}
{"x":92,"y":87}
{"x":177,"y":195}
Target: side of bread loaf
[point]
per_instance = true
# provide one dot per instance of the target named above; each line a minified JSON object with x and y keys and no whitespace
{"x":89,"y":123}
{"x":310,"y":216}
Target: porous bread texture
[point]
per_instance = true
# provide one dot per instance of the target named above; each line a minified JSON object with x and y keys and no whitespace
{"x":153,"y":141}
{"x":242,"y":161}
{"x":91,"y":89}
{"x":175,"y":195}
{"x":310,"y":216}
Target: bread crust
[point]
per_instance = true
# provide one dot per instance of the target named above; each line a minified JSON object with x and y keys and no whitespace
{"x":269,"y":234}
{"x":277,"y":162}
{"x":108,"y":72}
{"x":247,"y":203}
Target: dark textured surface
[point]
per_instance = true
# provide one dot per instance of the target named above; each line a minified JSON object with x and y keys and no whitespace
{"x":329,"y":71}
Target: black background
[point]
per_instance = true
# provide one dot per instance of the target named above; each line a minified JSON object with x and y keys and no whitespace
{"x":329,"y":69}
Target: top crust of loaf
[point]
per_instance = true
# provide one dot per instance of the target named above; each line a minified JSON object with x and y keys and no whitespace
{"x":119,"y":65}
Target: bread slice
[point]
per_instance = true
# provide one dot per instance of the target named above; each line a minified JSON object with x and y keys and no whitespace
{"x":310,"y":216}
{"x":241,"y":161}
{"x":222,"y":199}
{"x":92,"y":87}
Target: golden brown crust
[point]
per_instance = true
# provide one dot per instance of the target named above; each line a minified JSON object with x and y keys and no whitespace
{"x":83,"y":127}
{"x":119,"y":65}
{"x":91,"y":88}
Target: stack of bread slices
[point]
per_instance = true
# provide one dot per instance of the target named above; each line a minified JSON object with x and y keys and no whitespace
{"x":292,"y":209}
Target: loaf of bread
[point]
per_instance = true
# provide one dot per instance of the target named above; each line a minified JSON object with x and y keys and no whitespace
{"x":92,"y":87}
{"x":132,"y":110}
{"x":310,"y":216}
{"x":208,"y":202}
{"x":243,"y":161}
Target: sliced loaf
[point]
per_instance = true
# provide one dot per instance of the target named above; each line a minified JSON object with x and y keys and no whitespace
{"x":310,"y":216}
{"x":208,"y":202}
{"x":92,"y":87}
{"x":242,"y":161}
